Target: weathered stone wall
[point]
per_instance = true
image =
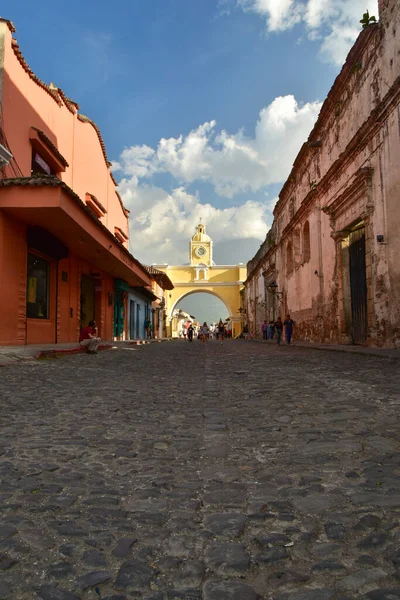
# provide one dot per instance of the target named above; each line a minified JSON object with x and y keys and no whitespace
{"x":346,"y":175}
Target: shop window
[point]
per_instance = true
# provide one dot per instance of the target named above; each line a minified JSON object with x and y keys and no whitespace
{"x":306,"y":242}
{"x":38,"y":287}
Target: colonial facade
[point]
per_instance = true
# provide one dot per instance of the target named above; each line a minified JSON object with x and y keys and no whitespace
{"x":64,"y":256}
{"x":331,"y":256}
{"x":161,"y":286}
{"x":203,"y":275}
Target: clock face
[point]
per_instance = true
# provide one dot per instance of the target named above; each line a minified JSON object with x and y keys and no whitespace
{"x":201,"y":251}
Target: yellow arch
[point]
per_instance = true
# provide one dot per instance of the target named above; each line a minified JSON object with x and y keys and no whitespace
{"x":225,"y":282}
{"x":200,"y":291}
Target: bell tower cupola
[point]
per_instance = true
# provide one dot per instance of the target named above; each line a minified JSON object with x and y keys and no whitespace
{"x":200,"y":247}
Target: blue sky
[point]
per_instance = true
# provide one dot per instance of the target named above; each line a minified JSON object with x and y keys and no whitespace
{"x":203,"y":104}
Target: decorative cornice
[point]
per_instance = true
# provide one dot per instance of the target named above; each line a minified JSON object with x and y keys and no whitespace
{"x":356,"y":145}
{"x":97,"y":202}
{"x":268,"y":256}
{"x":362,"y":181}
{"x":208,"y":283}
{"x":341,"y":83}
{"x":86,"y":119}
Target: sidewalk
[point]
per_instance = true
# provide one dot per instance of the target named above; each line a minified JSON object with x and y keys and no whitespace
{"x":14,"y":354}
{"x":391,"y":353}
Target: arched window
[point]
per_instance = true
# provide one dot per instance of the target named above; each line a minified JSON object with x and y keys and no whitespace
{"x":306,"y":242}
{"x":289,"y":258}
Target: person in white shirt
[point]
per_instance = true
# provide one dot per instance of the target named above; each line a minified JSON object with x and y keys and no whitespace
{"x":204,"y":333}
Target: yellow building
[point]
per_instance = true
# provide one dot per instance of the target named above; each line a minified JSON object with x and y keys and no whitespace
{"x":202,"y":275}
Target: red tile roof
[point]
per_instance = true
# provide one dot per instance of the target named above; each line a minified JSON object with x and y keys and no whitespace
{"x":10,"y":24}
{"x":160,"y":277}
{"x":125,"y":210}
{"x":51,"y":91}
{"x":85,"y":119}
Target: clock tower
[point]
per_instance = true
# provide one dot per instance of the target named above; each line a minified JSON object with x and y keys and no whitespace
{"x":201,"y":248}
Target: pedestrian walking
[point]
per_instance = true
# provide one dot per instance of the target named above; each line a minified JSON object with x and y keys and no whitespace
{"x":264,"y":329}
{"x":221,"y":331}
{"x":190,"y":332}
{"x":246,"y":332}
{"x":271,"y":330}
{"x":204,"y":333}
{"x":88,"y":338}
{"x":279,"y":330}
{"x":289,"y":329}
{"x":147,"y":328}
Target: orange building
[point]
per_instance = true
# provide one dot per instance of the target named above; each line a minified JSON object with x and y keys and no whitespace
{"x":64,"y":256}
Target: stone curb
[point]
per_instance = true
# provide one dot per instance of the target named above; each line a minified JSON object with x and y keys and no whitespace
{"x":54,"y":353}
{"x":375,"y":352}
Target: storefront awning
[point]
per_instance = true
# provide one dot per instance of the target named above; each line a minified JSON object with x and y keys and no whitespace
{"x":49,"y":203}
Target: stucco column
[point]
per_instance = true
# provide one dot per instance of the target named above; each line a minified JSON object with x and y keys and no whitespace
{"x":341,"y":239}
{"x":370,"y":278}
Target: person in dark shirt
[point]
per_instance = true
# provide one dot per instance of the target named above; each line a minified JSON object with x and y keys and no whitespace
{"x":221,"y":331}
{"x":289,"y":328}
{"x":278,"y":329}
{"x":271,"y":330}
{"x":264,"y":329}
{"x":190,"y":332}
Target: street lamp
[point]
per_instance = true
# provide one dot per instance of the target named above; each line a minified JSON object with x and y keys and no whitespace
{"x":273,"y":288}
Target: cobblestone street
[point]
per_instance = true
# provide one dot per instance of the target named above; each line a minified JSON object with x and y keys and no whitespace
{"x":179,"y":471}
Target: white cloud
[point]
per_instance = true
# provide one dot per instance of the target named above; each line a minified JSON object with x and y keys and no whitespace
{"x":281,"y":14}
{"x":335,"y":22}
{"x":163,"y":221}
{"x":232,"y":163}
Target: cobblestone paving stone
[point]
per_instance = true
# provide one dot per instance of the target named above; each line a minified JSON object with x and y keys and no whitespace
{"x":179,"y":471}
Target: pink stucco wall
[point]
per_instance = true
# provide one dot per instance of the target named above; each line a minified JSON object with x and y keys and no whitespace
{"x":346,"y":172}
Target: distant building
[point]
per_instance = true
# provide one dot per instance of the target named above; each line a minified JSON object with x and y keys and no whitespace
{"x":64,"y":257}
{"x":331,"y":258}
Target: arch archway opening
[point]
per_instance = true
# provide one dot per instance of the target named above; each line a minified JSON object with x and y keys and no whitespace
{"x":203,"y":306}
